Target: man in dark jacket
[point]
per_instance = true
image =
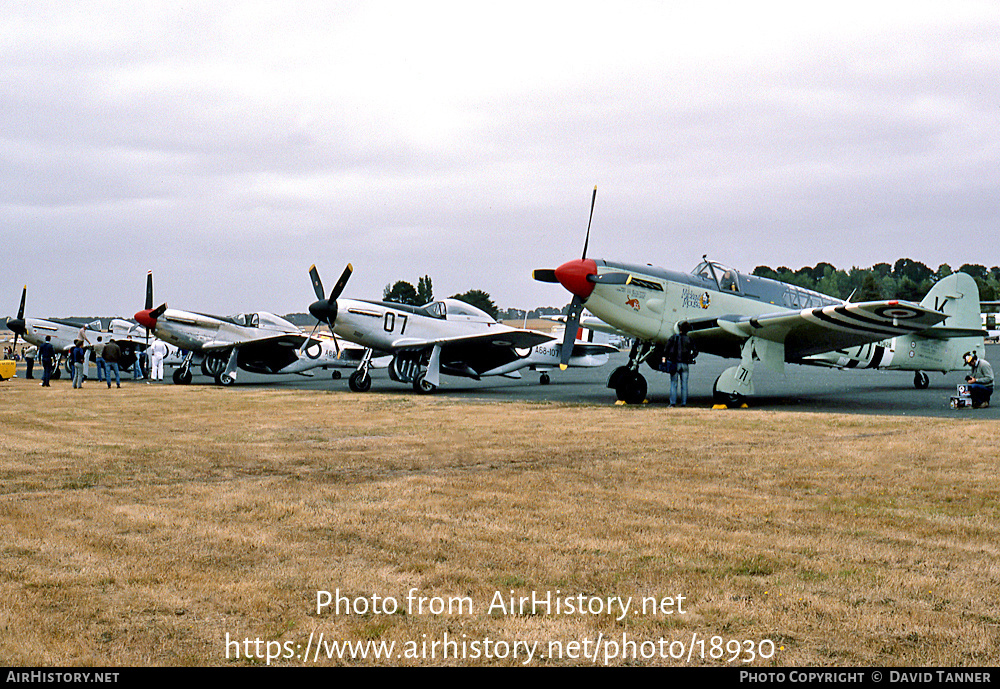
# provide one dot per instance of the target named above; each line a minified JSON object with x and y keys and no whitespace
{"x":112,"y":355}
{"x":48,"y":354}
{"x":680,"y":353}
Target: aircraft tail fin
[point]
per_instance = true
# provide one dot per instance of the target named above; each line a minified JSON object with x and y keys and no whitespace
{"x":957,"y":296}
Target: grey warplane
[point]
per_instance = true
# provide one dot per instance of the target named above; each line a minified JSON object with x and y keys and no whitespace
{"x":767,"y":323}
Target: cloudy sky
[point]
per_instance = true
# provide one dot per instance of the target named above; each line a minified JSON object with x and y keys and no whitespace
{"x":227,"y":146}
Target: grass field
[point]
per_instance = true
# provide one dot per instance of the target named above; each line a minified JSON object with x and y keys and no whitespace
{"x":167,"y":525}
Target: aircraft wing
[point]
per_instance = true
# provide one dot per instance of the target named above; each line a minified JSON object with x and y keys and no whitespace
{"x":277,"y":339}
{"x":813,"y":331}
{"x":514,"y":338}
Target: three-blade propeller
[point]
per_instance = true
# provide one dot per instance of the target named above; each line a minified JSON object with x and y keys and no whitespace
{"x":324,"y":309}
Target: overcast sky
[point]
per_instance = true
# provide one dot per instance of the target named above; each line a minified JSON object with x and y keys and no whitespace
{"x":227,"y":146}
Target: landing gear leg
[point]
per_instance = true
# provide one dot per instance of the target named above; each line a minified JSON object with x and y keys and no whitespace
{"x":360,"y":380}
{"x":182,"y":375}
{"x":626,"y":381}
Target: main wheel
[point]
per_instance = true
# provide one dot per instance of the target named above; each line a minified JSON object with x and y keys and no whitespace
{"x":225,"y":380}
{"x":182,"y":376}
{"x":422,"y":385}
{"x":730,"y":399}
{"x":616,"y":376}
{"x":359,"y":382}
{"x":631,"y":387}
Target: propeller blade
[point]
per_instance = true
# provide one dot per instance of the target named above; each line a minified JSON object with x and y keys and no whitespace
{"x":341,"y":283}
{"x":20,"y":316}
{"x":149,"y":290}
{"x":569,"y":337}
{"x":317,"y":283}
{"x":306,"y":342}
{"x":158,"y":311}
{"x":586,"y":241}
{"x":544,"y":275}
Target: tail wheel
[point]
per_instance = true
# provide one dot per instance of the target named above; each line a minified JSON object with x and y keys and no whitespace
{"x":921,"y":381}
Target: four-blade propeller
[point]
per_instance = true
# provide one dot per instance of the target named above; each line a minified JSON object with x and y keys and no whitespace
{"x":324,"y":310}
{"x":16,"y":325}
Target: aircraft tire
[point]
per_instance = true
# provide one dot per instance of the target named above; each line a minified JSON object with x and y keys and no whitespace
{"x":921,"y":381}
{"x":359,"y":382}
{"x":182,"y":377}
{"x":337,"y":375}
{"x":225,"y":380}
{"x":616,"y":376}
{"x":544,"y":379}
{"x":631,"y":388}
{"x":421,"y":385}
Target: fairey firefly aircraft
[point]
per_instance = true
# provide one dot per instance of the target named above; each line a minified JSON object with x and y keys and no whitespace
{"x":63,"y":332}
{"x":258,"y":342}
{"x":447,"y":336}
{"x":761,"y":321}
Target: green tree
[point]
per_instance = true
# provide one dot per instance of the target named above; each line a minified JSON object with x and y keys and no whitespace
{"x":425,"y":292}
{"x":401,"y":292}
{"x":870,"y":289}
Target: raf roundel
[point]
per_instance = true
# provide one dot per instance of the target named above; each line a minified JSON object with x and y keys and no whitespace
{"x":898,"y":312}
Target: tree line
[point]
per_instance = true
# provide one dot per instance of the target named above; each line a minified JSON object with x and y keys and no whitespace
{"x":905,"y":279}
{"x":403,"y":292}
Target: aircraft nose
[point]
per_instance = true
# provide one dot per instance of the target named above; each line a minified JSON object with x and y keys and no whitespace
{"x":16,"y":325}
{"x":144,"y":319}
{"x":573,"y":276}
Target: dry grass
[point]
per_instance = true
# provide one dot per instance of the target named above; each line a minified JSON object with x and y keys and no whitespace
{"x":141,"y":526}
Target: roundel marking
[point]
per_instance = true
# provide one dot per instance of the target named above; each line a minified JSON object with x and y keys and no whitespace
{"x":314,"y":349}
{"x":900,"y":312}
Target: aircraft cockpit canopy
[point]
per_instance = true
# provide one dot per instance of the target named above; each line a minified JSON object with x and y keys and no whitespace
{"x":436,"y":309}
{"x":248,"y":319}
{"x":723,"y":277}
{"x":459,"y":310}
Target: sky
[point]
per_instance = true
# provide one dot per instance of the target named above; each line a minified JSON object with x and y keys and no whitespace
{"x":228,"y":146}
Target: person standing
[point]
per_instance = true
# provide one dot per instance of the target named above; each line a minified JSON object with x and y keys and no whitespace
{"x":136,"y":369}
{"x":112,"y":355}
{"x":99,"y":358}
{"x":158,"y":351}
{"x":85,"y":342}
{"x":980,"y":380}
{"x":76,"y":355}
{"x":29,"y":360}
{"x":680,"y":354}
{"x":48,"y":354}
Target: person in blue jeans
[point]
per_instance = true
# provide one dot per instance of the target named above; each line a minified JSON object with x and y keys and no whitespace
{"x":112,"y":355}
{"x":680,"y":353}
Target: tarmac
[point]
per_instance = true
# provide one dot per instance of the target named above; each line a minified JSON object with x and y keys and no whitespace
{"x":799,"y":388}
